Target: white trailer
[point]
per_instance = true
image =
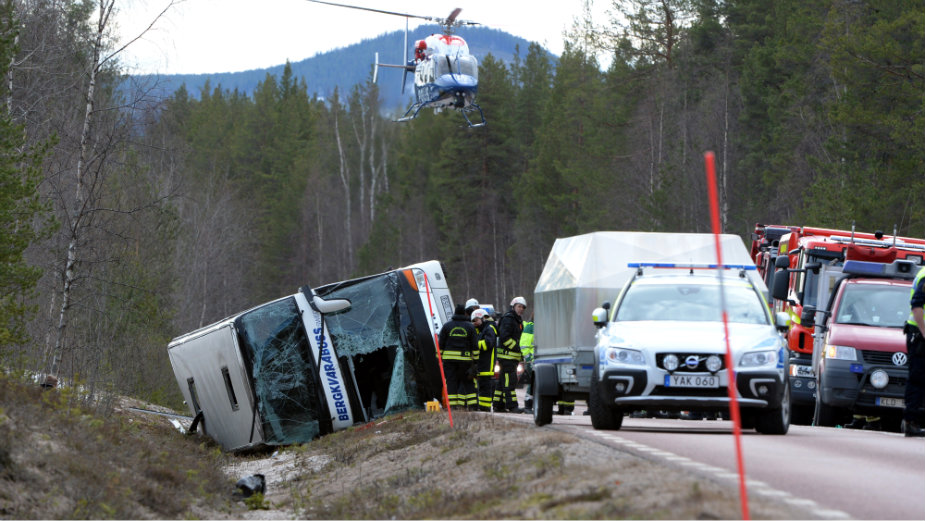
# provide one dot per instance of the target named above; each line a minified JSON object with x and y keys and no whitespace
{"x":317,"y":361}
{"x":584,"y":271}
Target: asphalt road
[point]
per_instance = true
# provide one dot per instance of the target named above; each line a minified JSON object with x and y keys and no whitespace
{"x":834,"y":473}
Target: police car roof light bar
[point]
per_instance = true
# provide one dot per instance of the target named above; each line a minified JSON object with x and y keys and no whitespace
{"x":674,"y":265}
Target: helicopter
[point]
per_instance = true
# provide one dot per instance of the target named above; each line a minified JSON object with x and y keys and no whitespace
{"x":446,"y":75}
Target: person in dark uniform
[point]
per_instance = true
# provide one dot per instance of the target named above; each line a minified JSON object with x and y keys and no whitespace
{"x":915,"y":347}
{"x":487,"y":340}
{"x":459,"y":351}
{"x":508,"y":353}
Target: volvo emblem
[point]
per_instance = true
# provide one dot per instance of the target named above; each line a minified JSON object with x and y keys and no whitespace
{"x":899,"y":358}
{"x":692,"y":361}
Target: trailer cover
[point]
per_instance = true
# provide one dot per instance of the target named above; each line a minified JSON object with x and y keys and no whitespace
{"x":584,"y":271}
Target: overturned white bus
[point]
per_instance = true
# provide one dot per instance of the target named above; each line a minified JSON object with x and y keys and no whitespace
{"x":317,"y":361}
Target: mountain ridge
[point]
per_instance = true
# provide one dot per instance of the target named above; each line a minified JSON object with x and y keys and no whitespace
{"x":343,"y":67}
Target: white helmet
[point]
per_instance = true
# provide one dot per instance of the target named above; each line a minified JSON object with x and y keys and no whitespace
{"x":472,"y":303}
{"x":519,"y":300}
{"x":478,"y":313}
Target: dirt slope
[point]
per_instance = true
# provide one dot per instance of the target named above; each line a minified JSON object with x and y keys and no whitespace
{"x":414,"y":466}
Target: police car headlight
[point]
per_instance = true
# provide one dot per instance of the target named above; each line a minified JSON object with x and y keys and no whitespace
{"x":879,"y":379}
{"x":840,"y":352}
{"x":714,"y":363}
{"x":670,"y":362}
{"x":619,"y":355}
{"x":758,"y":359}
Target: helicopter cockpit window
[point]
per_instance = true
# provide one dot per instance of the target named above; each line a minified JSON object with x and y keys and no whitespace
{"x":447,"y":45}
{"x":369,"y":336}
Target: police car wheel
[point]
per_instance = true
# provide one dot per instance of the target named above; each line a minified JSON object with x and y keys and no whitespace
{"x":603,"y":416}
{"x":776,"y":421}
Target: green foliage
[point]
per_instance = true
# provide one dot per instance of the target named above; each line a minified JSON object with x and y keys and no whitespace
{"x":257,"y":502}
{"x":23,"y":216}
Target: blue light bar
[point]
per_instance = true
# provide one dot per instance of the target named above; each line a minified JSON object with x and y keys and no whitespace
{"x":675,"y":265}
{"x":864,"y":268}
{"x":898,"y":269}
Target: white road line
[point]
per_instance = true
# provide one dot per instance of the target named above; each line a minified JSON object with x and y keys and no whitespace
{"x":800,"y":502}
{"x":831,"y":514}
{"x":754,"y":486}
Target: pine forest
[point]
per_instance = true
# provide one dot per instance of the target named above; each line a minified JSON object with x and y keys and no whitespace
{"x":128,"y":219}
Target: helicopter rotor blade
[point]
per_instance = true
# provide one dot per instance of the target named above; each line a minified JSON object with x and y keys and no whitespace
{"x":448,"y":21}
{"x":360,"y":8}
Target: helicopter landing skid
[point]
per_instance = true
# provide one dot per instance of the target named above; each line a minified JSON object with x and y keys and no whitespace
{"x":415,"y":108}
{"x":472,"y":108}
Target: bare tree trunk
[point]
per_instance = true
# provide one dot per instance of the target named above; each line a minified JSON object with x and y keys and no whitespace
{"x":344,"y":172}
{"x":724,"y":176}
{"x":75,"y":226}
{"x":80,"y":215}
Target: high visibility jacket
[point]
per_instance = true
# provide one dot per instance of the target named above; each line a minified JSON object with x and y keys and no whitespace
{"x":917,"y":295}
{"x":458,"y":340}
{"x":509,"y":333}
{"x":526,"y":341}
{"x":488,"y":339}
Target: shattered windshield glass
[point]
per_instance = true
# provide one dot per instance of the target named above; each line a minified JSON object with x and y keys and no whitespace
{"x":274,"y":343}
{"x":370,"y":335}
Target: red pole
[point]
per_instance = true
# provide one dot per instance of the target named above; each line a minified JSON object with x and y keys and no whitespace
{"x":446,"y":397}
{"x":730,"y":369}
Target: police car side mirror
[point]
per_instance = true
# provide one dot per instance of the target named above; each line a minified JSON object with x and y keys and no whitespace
{"x":599,"y":317}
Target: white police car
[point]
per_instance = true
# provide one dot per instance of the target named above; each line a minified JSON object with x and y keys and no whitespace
{"x":662,"y":348}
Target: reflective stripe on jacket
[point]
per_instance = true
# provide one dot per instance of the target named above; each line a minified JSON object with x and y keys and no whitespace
{"x":916,"y":295}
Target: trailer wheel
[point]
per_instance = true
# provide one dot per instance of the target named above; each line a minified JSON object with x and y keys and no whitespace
{"x":545,"y":393}
{"x":542,"y":409}
{"x":603,"y":416}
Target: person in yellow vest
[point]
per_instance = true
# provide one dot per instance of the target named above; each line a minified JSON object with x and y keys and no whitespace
{"x":526,"y":349}
{"x":487,"y":340}
{"x":915,"y":350}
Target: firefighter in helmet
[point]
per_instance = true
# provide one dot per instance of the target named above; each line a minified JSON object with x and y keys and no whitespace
{"x":509,"y":356}
{"x":459,"y":351}
{"x":487,"y":340}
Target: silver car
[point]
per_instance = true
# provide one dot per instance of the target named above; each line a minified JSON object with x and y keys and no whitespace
{"x":661,"y":348}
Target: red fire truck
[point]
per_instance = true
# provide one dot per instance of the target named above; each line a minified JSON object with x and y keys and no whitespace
{"x":800,"y":254}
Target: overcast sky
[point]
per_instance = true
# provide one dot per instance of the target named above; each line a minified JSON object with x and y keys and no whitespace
{"x":202,"y":36}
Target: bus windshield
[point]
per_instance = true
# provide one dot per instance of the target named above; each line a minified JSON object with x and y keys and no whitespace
{"x":277,"y":352}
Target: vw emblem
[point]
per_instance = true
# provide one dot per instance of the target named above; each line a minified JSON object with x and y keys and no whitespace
{"x":691,"y":361}
{"x":899,"y":358}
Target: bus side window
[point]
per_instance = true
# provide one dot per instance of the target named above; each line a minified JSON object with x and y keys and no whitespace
{"x":231,"y":396}
{"x":193,"y":396}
